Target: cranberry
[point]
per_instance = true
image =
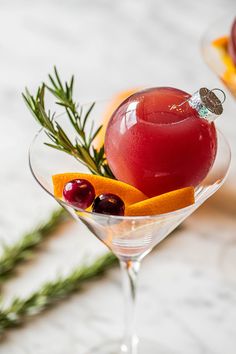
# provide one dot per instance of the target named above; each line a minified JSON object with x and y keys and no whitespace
{"x":79,"y":192}
{"x":109,"y":204}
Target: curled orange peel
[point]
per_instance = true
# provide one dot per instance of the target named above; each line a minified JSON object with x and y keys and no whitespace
{"x":163,"y":203}
{"x":136,"y":203}
{"x":126,"y":192}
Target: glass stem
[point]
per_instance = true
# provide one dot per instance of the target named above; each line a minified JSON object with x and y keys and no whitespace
{"x":130,"y":270}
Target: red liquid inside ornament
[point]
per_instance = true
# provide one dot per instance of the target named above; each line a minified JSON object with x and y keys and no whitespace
{"x":157,"y":142}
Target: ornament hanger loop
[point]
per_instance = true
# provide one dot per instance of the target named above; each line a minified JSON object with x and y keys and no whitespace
{"x":223,"y":98}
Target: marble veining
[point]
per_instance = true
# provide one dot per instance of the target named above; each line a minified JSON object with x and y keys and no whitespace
{"x":187,"y":294}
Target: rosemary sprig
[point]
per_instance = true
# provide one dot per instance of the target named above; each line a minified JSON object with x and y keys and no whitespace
{"x":50,"y":293}
{"x":82,"y":147}
{"x":20,"y":251}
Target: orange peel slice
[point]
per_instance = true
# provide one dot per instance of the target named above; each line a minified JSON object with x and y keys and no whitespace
{"x":126,"y":192}
{"x":163,"y":203}
{"x":229,"y":78}
{"x":112,"y":106}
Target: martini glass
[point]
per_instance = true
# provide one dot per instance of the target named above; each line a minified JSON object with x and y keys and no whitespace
{"x":130,"y":238}
{"x":220,"y":28}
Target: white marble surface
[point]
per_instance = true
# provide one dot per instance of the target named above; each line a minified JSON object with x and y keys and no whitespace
{"x":188,"y":286}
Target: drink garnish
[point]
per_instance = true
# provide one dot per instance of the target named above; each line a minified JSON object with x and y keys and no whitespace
{"x":81,"y":145}
{"x":79,"y":192}
{"x":109,"y":204}
{"x":163,"y":203}
{"x":116,"y":198}
{"x":126,"y":192}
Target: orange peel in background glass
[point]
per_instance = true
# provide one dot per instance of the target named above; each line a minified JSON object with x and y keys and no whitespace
{"x":229,"y":75}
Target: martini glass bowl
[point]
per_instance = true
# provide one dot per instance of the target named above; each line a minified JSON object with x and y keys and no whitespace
{"x":130,"y":238}
{"x":218,"y":29}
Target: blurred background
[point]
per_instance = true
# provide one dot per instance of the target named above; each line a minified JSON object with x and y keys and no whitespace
{"x":188,"y":285}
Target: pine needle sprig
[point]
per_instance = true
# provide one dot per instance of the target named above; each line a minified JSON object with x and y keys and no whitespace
{"x":51,"y":292}
{"x":82,"y":146}
{"x":22,"y":250}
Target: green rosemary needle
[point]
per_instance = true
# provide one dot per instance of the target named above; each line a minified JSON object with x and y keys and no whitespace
{"x":50,"y":293}
{"x":21,"y":250}
{"x":82,"y":145}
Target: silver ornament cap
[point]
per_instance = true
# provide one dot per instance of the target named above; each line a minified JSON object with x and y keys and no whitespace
{"x":208,"y":105}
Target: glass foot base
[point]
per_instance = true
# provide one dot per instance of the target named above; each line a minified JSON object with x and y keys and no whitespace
{"x":145,"y":346}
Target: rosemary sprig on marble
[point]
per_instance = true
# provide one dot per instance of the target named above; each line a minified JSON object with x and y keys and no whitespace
{"x":20,"y":251}
{"x":50,"y":293}
{"x":81,"y":147}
